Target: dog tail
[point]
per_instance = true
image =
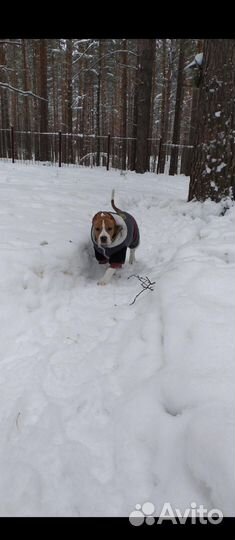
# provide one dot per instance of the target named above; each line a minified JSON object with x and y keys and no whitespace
{"x":113,"y":203}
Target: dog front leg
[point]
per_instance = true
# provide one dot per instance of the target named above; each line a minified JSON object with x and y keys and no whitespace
{"x":107,"y":276}
{"x":132,"y":256}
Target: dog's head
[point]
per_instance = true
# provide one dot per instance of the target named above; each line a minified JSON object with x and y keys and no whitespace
{"x":105,"y":228}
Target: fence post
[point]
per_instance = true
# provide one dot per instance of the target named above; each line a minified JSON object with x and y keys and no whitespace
{"x":60,"y":147}
{"x":159,"y":154}
{"x":108,"y":152}
{"x":12,"y":144}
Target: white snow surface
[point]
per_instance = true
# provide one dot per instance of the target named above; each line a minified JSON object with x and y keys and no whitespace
{"x":103,"y":404}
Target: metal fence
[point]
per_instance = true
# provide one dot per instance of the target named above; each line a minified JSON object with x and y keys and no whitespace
{"x":63,"y":149}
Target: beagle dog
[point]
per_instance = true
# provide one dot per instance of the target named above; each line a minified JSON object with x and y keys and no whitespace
{"x":111,"y":234}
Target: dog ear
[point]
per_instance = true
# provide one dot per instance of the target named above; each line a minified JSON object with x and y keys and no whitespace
{"x":95,"y":217}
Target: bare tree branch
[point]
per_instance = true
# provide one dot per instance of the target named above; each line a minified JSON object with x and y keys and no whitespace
{"x":5,"y":68}
{"x":9,"y":42}
{"x":84,"y":52}
{"x":22,"y":92}
{"x":145,"y":283}
{"x":107,"y":55}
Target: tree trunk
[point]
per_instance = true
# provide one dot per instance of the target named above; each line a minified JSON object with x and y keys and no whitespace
{"x":165,"y":113}
{"x":213,"y":166}
{"x":36,"y":103}
{"x":44,"y":146}
{"x":144,"y":89}
{"x":188,"y":152}
{"x":5,"y":143}
{"x":163,"y":109}
{"x":98,"y":104}
{"x":151,"y":144}
{"x":69,"y":98}
{"x":27,"y":115}
{"x":14,"y":96}
{"x":124,"y":103}
{"x":178,"y":110}
{"x":134,"y":119}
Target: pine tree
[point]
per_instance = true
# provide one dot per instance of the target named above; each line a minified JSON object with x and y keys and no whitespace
{"x":165,"y":103}
{"x":178,"y":110}
{"x":44,"y":148}
{"x":144,"y":89}
{"x":213,"y":165}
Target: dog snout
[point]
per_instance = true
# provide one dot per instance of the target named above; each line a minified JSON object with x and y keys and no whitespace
{"x":103,"y":239}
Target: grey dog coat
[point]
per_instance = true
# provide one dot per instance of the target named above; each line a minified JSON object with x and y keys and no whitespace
{"x":128,"y":236}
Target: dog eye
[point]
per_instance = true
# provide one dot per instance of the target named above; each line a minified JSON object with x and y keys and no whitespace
{"x":109,"y":229}
{"x":97,"y":229}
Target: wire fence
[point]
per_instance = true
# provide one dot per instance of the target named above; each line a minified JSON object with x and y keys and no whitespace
{"x":63,"y":149}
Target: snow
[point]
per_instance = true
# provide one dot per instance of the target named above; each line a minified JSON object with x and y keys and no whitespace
{"x":106,"y":405}
{"x":220,"y":167}
{"x":199,"y":58}
{"x":197,"y":62}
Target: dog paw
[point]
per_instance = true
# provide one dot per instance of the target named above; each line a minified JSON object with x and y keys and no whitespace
{"x":101,"y":282}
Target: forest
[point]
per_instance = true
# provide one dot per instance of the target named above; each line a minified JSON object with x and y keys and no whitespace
{"x":158,"y":105}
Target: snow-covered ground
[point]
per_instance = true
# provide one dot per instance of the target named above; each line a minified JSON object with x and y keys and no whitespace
{"x":104,"y":404}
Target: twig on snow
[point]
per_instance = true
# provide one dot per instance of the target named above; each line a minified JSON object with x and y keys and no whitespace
{"x":145,"y":284}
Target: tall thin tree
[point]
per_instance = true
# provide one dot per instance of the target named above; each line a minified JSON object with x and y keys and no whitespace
{"x":178,"y":110}
{"x":44,"y":147}
{"x":4,"y":111}
{"x":167,"y":85}
{"x":144,"y":89}
{"x":98,"y":101}
{"x":124,"y":102}
{"x":27,"y":112}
